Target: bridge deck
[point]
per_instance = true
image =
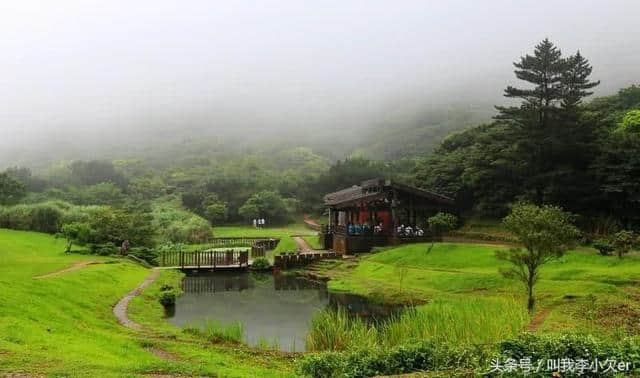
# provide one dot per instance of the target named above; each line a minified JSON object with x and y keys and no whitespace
{"x":226,"y":267}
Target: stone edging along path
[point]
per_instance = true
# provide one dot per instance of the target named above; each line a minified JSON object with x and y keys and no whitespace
{"x":120,"y":309}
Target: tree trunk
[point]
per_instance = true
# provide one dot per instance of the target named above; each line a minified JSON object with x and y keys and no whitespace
{"x":532,"y":300}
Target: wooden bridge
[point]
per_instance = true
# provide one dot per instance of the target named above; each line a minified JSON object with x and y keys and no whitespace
{"x":205,"y":259}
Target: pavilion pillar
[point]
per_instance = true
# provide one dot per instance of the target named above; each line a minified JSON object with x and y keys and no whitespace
{"x":394,"y":212}
{"x":412,"y":214}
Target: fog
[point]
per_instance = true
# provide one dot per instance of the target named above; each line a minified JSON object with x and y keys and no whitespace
{"x":94,"y":72}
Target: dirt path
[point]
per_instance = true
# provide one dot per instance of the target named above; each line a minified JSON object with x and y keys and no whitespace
{"x":162,"y":354}
{"x":303,"y":246}
{"x":120,"y":309}
{"x":75,"y":266}
{"x":311,"y":223}
{"x":540,"y":317}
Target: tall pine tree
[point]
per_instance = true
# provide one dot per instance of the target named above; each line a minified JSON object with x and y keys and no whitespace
{"x":550,"y":142}
{"x":575,"y":81}
{"x":543,"y":69}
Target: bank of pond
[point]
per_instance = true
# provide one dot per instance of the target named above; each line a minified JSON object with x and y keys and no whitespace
{"x":293,"y":313}
{"x":273,"y":311}
{"x":355,"y":336}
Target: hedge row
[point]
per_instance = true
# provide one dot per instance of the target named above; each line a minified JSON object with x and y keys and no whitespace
{"x":568,"y":354}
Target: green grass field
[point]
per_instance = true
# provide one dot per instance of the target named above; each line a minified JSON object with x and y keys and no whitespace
{"x":63,"y":325}
{"x":286,"y":244}
{"x":582,"y":290}
{"x":314,"y":241}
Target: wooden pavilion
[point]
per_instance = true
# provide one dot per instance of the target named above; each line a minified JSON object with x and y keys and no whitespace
{"x":379,"y":212}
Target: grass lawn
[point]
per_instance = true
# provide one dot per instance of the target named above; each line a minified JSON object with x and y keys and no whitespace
{"x":314,"y":241}
{"x":286,"y":244}
{"x":64,"y":326}
{"x":582,"y":290}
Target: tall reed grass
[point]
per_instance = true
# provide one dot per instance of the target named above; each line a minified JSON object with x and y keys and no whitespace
{"x":215,"y":331}
{"x":461,"y":320}
{"x":337,"y":330}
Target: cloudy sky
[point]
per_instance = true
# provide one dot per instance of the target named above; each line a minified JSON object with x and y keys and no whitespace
{"x":80,"y":69}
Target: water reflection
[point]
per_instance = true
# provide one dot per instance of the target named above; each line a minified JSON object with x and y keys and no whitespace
{"x":275,"y":309}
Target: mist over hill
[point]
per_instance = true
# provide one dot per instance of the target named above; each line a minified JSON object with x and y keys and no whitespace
{"x":341,"y":77}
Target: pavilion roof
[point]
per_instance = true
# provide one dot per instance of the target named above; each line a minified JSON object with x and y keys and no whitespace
{"x":376,"y":188}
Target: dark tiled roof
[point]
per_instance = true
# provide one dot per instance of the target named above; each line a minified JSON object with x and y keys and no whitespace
{"x":375,"y":188}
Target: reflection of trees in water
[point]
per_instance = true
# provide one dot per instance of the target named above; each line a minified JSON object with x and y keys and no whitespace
{"x":306,"y":290}
{"x":216,"y":282}
{"x":362,"y":307}
{"x":290,"y":282}
{"x":287,"y":289}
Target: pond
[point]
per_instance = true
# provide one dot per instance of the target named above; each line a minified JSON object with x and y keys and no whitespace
{"x":276,"y":309}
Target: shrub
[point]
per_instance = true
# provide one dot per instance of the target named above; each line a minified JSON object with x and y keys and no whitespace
{"x":473,"y":360}
{"x":167,"y":298}
{"x":149,"y":255}
{"x":623,"y":242}
{"x":570,"y":346}
{"x":103,"y":249}
{"x":398,"y":360}
{"x":441,"y":223}
{"x":45,"y":218}
{"x":180,"y":226}
{"x":604,"y":246}
{"x":261,"y":263}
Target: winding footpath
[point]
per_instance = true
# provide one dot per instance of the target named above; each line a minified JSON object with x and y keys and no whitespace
{"x":120,"y":309}
{"x":302,"y":244}
{"x":75,"y":266}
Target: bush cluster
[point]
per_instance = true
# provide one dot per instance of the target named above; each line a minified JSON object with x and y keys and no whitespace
{"x":398,"y":360}
{"x":103,"y":249}
{"x":167,"y":296}
{"x":44,"y":217}
{"x":432,"y":356}
{"x":604,"y":246}
{"x":260,"y":264}
{"x":180,"y":226}
{"x":541,"y":348}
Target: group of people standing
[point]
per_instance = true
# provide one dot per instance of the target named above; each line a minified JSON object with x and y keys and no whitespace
{"x":408,"y":231}
{"x":364,"y":229}
{"x":259,"y":223}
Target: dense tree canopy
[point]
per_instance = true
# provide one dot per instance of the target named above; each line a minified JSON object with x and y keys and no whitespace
{"x":552,"y":148}
{"x":266,"y":204}
{"x":11,"y":190}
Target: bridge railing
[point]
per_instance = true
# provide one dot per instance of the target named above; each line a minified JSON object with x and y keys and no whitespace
{"x":238,"y":241}
{"x":294,"y":260}
{"x":212,"y":259}
{"x":260,"y":247}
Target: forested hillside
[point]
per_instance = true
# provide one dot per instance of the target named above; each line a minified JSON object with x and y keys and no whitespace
{"x":552,"y":148}
{"x":556,"y":146}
